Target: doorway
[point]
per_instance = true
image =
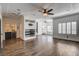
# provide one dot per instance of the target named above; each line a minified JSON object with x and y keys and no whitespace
{"x":45,"y":27}
{"x":10,"y":34}
{"x":13,"y":33}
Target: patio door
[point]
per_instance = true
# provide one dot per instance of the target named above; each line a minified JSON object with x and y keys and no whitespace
{"x":47,"y":27}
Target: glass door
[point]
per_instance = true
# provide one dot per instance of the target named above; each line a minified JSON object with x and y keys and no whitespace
{"x":50,"y":27}
{"x":47,"y":27}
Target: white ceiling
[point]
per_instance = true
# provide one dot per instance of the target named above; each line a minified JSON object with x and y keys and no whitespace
{"x":30,"y":10}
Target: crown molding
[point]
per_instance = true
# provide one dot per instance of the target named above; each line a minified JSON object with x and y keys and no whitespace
{"x":66,"y":14}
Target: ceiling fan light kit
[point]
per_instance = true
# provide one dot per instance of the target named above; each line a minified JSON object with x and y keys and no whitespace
{"x":45,"y":14}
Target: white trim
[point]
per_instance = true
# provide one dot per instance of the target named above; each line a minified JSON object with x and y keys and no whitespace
{"x":2,"y":36}
{"x":66,"y":13}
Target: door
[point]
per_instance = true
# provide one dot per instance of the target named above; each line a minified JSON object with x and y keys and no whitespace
{"x":47,"y":27}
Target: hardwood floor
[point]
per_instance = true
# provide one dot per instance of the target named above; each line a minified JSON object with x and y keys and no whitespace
{"x":41,"y":46}
{"x":13,"y":44}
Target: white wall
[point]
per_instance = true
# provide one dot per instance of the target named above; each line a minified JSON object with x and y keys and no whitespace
{"x":66,"y":19}
{"x":39,"y":26}
{"x":2,"y":37}
{"x":22,"y":27}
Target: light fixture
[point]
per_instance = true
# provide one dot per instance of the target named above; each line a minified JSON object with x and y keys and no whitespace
{"x":45,"y":14}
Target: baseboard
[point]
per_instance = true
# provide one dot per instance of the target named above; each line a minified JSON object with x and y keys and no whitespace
{"x":65,"y":39}
{"x":20,"y":39}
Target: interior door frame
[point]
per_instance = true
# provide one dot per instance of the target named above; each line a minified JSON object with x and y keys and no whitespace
{"x":1,"y":33}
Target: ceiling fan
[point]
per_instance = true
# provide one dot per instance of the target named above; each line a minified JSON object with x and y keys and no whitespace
{"x":46,"y":12}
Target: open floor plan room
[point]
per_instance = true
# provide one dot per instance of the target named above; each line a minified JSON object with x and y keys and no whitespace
{"x":39,"y":29}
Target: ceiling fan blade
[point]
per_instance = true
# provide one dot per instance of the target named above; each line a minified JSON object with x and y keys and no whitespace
{"x":50,"y":13}
{"x":50,"y":10}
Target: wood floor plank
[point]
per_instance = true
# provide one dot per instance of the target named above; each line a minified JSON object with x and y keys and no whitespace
{"x":42,"y":46}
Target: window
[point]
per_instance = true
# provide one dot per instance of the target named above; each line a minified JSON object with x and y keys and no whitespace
{"x":68,"y":28}
{"x":59,"y":28}
{"x":73,"y":27}
{"x":64,"y":28}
